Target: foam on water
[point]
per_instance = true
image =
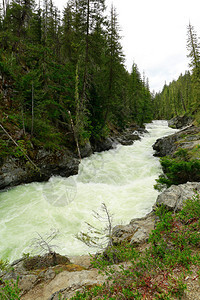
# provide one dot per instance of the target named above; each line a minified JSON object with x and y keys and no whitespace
{"x":122,"y":178}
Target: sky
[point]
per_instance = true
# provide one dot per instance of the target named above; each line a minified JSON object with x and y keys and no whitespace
{"x":154,"y":35}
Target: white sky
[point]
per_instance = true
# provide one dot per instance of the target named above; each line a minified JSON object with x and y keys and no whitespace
{"x":155,"y":35}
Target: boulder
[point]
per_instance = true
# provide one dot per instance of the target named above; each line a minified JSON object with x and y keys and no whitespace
{"x":45,"y":261}
{"x":136,"y":232}
{"x":128,"y":139}
{"x":64,"y":285}
{"x":180,"y":122}
{"x":186,"y":138}
{"x":15,"y":171}
{"x":173,"y":198}
{"x":86,"y":150}
{"x":103,"y":144}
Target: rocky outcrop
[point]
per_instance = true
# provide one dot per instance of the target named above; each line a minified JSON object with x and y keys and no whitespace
{"x":136,"y":232}
{"x":180,"y":122}
{"x":102,"y":145}
{"x":187,"y":139}
{"x":49,"y":280}
{"x":15,"y":171}
{"x":125,"y":137}
{"x":174,"y":197}
{"x":129,"y":135}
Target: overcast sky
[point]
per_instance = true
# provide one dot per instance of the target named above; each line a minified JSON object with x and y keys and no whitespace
{"x":155,"y":35}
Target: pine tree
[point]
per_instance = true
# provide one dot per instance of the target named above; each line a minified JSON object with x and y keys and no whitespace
{"x":193,"y":47}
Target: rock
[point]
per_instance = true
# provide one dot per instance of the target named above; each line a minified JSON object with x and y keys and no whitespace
{"x":86,"y":150}
{"x":180,"y":122}
{"x":82,"y":260}
{"x":65,"y":285}
{"x":165,"y":146}
{"x":137,"y":232}
{"x":27,"y":282}
{"x":129,"y":135}
{"x":102,"y":145}
{"x":76,"y":282}
{"x":140,"y":236}
{"x":123,"y":233}
{"x":45,"y":261}
{"x":15,"y":171}
{"x":173,"y":198}
{"x":144,"y":228}
{"x":128,"y":139}
{"x":170,"y":144}
{"x":50,"y":274}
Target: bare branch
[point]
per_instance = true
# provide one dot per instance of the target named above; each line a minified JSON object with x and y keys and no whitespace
{"x":100,"y":238}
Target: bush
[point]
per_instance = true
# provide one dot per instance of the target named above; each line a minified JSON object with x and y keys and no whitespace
{"x":178,"y":172}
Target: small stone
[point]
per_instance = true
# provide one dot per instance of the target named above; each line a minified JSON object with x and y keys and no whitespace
{"x":50,"y":274}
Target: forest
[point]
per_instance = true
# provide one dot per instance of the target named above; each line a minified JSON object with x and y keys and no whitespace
{"x":62,"y":69}
{"x":182,"y":96}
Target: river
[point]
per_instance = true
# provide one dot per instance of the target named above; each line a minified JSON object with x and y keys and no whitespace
{"x":122,"y":178}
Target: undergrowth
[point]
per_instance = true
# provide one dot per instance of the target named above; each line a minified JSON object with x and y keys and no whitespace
{"x":159,"y":271}
{"x":178,"y":171}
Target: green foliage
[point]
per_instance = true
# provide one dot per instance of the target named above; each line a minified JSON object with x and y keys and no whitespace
{"x":49,"y":66}
{"x":10,"y":290}
{"x":5,"y":149}
{"x":118,"y":253}
{"x":4,"y":265}
{"x":178,"y":171}
{"x":181,"y":97}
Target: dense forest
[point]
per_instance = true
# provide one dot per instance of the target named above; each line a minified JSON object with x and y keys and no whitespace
{"x":182,"y":96}
{"x":64,"y":72}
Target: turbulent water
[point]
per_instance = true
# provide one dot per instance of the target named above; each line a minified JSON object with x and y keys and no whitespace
{"x":122,"y":178}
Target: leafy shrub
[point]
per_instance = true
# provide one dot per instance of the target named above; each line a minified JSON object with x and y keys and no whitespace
{"x":178,"y":172}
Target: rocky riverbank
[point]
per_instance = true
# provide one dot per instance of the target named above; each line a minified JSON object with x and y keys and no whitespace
{"x":15,"y":171}
{"x":68,"y":275}
{"x":49,"y":277}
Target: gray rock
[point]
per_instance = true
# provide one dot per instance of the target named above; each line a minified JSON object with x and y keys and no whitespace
{"x":128,"y":139}
{"x":140,"y":236}
{"x":73,"y":282}
{"x":15,"y":171}
{"x":27,"y":282}
{"x":50,"y":274}
{"x":86,"y":150}
{"x":180,"y":122}
{"x":169,"y":144}
{"x":102,"y":145}
{"x":137,"y":232}
{"x":173,"y":198}
{"x":123,"y":233}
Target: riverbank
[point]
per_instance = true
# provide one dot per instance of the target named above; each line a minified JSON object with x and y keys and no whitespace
{"x":67,"y":280}
{"x":15,"y":169}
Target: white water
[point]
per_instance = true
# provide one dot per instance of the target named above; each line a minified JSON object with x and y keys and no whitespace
{"x":122,"y":178}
